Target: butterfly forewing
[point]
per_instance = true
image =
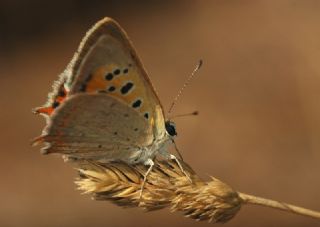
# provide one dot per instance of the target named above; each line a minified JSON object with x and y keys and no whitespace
{"x":106,"y":62}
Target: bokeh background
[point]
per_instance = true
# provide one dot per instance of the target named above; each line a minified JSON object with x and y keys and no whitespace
{"x":257,"y":94}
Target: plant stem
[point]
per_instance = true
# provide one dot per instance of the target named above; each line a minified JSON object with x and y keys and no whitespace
{"x":250,"y":199}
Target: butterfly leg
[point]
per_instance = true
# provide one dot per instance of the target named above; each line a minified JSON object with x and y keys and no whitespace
{"x":150,"y":163}
{"x":177,"y":150}
{"x":172,"y":157}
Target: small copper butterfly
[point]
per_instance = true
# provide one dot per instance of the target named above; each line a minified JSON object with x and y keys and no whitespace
{"x":104,"y":107}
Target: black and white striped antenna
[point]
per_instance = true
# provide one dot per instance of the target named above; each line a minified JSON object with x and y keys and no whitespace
{"x":198,"y":66}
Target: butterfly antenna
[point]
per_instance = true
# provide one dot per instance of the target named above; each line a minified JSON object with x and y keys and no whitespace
{"x":198,"y":66}
{"x":194,"y":113}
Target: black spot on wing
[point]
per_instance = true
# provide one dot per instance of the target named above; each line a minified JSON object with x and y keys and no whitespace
{"x":112,"y":88}
{"x":55,"y":104}
{"x":137,"y":103}
{"x":126,"y":88}
{"x":116,"y":72}
{"x":109,"y":76}
{"x":146,"y":115}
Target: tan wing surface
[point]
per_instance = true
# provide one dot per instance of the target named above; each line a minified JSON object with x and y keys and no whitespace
{"x":107,"y":62}
{"x":95,"y":126}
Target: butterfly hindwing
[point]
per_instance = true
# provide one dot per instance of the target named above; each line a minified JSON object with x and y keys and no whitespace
{"x":77,"y":128}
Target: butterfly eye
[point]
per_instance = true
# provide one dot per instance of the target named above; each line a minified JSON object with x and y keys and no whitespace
{"x":171,"y":128}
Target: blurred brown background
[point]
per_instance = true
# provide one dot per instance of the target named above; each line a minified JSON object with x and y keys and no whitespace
{"x":257,"y":94}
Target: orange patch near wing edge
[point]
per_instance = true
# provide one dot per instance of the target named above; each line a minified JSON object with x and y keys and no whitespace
{"x":59,"y":98}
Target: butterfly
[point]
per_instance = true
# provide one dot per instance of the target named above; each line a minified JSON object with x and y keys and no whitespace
{"x":104,"y":106}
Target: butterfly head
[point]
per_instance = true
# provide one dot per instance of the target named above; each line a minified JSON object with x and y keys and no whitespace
{"x":171,"y":128}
